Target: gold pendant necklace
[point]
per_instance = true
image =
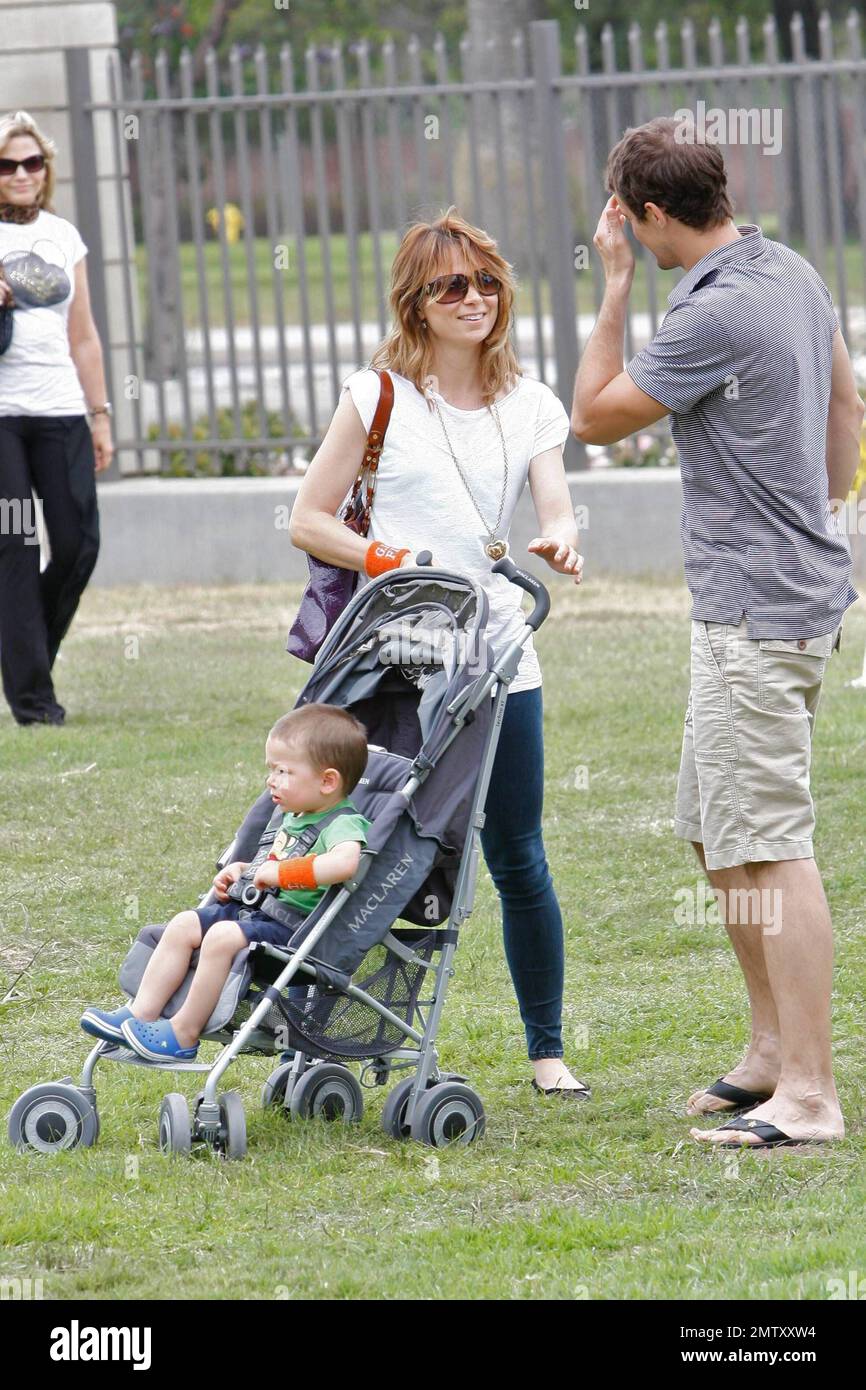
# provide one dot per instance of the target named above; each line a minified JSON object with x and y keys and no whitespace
{"x":494,"y":546}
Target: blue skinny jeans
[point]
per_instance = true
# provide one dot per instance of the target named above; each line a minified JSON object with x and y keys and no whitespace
{"x":514,"y":851}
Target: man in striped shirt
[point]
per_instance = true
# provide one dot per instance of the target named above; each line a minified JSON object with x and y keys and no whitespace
{"x":751,"y":365}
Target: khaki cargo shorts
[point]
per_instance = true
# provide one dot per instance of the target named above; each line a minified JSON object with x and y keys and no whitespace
{"x":743,"y":788}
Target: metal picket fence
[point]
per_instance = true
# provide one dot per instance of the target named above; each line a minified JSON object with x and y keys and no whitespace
{"x":264,"y":214}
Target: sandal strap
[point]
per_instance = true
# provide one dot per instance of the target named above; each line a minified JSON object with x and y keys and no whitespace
{"x":762,"y":1128}
{"x":724,"y":1090}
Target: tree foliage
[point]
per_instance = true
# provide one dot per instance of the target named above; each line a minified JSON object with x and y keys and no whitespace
{"x":148,"y":24}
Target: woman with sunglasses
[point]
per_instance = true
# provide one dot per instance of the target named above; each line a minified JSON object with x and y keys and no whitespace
{"x":51,"y":376}
{"x":467,"y":431}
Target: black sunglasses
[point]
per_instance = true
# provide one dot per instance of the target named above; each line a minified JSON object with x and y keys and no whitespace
{"x":32,"y":164}
{"x":450,"y":289}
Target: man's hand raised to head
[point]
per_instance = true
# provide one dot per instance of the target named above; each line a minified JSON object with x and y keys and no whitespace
{"x":607,"y":404}
{"x":612,"y":244}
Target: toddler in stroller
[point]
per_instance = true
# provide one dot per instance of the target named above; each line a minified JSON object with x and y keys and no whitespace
{"x":315,"y":757}
{"x":408,"y":658}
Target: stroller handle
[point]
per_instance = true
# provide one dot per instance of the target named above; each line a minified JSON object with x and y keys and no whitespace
{"x":532,"y":586}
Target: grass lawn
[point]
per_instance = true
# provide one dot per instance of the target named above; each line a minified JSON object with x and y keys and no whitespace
{"x":115,"y":821}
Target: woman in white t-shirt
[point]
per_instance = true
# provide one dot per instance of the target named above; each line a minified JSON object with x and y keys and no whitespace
{"x":51,"y":369}
{"x":466,"y":433}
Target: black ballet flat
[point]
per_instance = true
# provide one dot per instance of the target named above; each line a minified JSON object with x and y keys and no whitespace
{"x":55,"y":716}
{"x":574,"y":1092}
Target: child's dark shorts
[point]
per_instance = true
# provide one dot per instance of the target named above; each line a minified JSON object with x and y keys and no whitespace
{"x":256,"y":926}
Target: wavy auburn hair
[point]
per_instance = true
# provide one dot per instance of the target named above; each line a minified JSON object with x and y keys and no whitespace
{"x":425,"y":253}
{"x":22,"y":123}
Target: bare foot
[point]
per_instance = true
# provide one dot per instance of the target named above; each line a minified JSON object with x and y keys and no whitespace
{"x":798,"y":1119}
{"x":552,"y":1072}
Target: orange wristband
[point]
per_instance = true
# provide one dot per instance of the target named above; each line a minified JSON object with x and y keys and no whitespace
{"x":297,"y":873}
{"x":381,"y":557}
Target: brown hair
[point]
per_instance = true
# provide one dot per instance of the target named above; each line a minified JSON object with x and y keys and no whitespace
{"x":685,"y":177}
{"x":327,"y":736}
{"x":22,"y":123}
{"x":423,"y":254}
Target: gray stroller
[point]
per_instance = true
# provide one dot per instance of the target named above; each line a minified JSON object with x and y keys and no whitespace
{"x":362,"y":982}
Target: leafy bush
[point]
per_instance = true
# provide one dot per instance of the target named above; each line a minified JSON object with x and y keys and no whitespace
{"x":232,"y":461}
{"x":652,"y":448}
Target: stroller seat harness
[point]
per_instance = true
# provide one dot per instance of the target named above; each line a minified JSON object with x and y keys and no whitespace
{"x":244,"y":890}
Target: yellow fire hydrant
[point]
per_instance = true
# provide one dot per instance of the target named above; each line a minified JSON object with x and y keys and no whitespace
{"x":233,"y":219}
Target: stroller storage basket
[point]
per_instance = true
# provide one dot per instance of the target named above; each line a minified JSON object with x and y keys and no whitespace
{"x":333,"y":1024}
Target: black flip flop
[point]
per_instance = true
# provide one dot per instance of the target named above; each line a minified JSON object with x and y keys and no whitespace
{"x":743,"y":1100}
{"x":576,"y":1092}
{"x":771,"y":1137}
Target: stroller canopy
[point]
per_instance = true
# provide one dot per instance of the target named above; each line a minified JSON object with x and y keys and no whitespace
{"x":409,"y":707}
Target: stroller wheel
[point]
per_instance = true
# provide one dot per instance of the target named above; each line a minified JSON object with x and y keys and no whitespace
{"x":231,"y":1141}
{"x":327,"y":1092}
{"x":274,"y":1089}
{"x":448,"y":1113}
{"x":175,"y":1130}
{"x":51,"y":1117}
{"x":394,"y":1109}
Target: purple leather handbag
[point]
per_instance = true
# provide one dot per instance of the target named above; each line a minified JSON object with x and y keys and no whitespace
{"x":330,"y":587}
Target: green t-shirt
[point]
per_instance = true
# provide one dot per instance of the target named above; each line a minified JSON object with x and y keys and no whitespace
{"x":351,"y":826}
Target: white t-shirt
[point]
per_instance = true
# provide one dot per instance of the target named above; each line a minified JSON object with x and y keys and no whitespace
{"x":421,"y":502}
{"x":37,"y":374}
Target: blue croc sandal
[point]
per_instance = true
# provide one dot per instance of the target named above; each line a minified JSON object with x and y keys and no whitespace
{"x":101,"y":1023}
{"x":156,"y":1042}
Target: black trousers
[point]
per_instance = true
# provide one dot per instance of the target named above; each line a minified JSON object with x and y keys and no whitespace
{"x":52,"y":455}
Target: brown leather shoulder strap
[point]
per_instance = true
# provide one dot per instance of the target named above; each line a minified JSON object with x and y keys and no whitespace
{"x":375,"y":440}
{"x":372,"y":450}
{"x":376,"y":437}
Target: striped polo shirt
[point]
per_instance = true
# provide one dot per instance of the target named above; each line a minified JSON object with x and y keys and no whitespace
{"x":742,"y":360}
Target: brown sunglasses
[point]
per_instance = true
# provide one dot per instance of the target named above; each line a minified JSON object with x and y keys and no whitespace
{"x":450,"y":289}
{"x":32,"y":164}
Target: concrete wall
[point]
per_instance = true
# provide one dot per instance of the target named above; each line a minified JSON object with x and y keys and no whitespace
{"x":233,"y":530}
